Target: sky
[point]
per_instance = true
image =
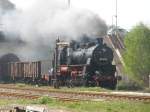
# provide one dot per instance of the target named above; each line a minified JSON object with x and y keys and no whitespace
{"x":130,"y":12}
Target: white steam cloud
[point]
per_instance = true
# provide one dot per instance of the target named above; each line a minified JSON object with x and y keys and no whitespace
{"x":47,"y":20}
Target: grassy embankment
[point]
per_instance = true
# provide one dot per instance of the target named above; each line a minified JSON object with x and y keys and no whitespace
{"x":122,"y":87}
{"x":77,"y":89}
{"x":101,"y":106}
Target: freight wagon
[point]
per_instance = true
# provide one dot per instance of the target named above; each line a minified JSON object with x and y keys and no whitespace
{"x":28,"y":72}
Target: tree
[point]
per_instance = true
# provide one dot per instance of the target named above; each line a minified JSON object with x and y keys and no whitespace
{"x":137,"y":54}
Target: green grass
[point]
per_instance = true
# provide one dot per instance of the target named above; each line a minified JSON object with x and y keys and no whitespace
{"x":74,"y":89}
{"x":92,"y":89}
{"x":4,"y":102}
{"x":20,"y":85}
{"x":101,"y":106}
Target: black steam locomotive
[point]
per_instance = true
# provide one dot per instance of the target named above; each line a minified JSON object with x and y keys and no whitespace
{"x":87,"y":62}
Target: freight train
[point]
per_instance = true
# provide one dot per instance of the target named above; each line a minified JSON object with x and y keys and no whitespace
{"x":87,"y":62}
{"x":14,"y":70}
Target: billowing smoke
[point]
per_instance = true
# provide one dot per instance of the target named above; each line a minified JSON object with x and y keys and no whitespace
{"x":37,"y":29}
{"x":5,"y":5}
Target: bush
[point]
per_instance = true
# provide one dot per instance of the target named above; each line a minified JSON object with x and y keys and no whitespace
{"x":44,"y":100}
{"x":131,"y":85}
{"x":147,"y":90}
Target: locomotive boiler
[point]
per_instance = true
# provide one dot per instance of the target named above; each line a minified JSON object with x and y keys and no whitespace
{"x":86,"y":63}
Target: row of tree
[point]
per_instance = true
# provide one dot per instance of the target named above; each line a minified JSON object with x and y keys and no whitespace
{"x":137,"y":53}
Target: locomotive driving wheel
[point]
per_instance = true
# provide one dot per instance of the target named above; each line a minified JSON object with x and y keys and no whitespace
{"x":107,"y":84}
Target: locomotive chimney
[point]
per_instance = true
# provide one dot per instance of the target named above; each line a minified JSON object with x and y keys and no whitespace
{"x":100,"y":40}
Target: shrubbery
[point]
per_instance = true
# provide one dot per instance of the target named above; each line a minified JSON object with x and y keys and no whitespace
{"x":44,"y":100}
{"x":131,"y":85}
{"x":147,"y":90}
{"x":137,"y":54}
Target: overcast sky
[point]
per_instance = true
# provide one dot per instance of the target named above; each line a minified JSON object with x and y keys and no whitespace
{"x":130,"y":12}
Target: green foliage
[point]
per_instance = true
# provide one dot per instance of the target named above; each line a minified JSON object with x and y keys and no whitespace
{"x":44,"y":100}
{"x":147,"y":90}
{"x":137,"y":54}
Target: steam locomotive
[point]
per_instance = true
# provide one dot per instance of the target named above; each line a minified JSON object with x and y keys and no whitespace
{"x":87,"y":62}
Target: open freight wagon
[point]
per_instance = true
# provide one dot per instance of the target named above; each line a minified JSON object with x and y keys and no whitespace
{"x":27,"y":72}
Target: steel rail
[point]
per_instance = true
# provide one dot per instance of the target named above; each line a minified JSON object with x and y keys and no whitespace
{"x":87,"y":95}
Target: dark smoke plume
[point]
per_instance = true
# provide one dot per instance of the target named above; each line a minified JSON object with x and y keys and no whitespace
{"x":6,"y":5}
{"x":39,"y":27}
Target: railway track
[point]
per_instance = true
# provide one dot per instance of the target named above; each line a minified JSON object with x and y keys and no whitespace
{"x":18,"y":95}
{"x":34,"y":93}
{"x":33,"y":97}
